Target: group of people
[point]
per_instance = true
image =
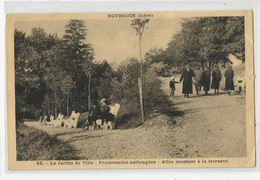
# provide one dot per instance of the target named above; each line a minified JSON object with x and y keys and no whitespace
{"x":101,"y":111}
{"x":202,"y":79}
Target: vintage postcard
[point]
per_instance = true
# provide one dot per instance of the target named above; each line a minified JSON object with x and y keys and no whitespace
{"x":130,"y":90}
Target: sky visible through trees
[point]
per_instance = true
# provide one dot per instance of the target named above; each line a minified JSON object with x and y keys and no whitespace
{"x":108,"y":37}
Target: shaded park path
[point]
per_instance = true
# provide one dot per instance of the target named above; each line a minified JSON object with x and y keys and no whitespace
{"x":208,"y":126}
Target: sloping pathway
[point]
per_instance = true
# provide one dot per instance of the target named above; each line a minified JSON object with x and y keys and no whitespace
{"x":211,"y":126}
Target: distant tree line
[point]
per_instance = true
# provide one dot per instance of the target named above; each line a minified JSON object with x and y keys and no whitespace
{"x":203,"y":40}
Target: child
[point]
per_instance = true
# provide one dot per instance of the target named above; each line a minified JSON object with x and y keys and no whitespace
{"x":172,"y":85}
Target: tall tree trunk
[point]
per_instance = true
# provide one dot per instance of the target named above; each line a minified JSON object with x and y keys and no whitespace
{"x":141,"y":80}
{"x":141,"y":59}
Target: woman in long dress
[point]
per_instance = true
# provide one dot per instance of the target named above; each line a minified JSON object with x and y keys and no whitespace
{"x":216,"y":78}
{"x":205,"y":79}
{"x":187,"y":81}
{"x":229,"y":75}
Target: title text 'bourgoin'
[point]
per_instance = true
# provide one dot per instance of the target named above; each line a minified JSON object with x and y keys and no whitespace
{"x":140,"y":15}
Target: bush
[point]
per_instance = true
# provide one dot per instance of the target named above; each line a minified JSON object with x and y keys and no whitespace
{"x":33,"y":144}
{"x":160,"y":69}
{"x":126,"y":92}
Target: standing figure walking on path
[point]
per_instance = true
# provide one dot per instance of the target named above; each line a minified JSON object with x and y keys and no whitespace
{"x":205,"y":79}
{"x":216,"y":78}
{"x":197,"y":73}
{"x":172,"y":86}
{"x":229,"y":75}
{"x":187,"y":81}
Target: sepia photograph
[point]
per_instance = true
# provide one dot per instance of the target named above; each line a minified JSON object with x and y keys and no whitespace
{"x":130,"y":90}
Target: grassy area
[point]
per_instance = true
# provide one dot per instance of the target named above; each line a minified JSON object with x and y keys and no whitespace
{"x":33,"y":144}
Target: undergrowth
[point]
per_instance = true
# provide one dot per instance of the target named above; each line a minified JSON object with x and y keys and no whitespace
{"x":33,"y":144}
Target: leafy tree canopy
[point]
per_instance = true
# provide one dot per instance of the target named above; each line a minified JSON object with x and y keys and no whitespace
{"x":205,"y":40}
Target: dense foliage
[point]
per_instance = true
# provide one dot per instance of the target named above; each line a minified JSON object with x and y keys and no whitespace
{"x":53,"y":74}
{"x":49,"y":70}
{"x":205,"y":40}
{"x":126,"y":92}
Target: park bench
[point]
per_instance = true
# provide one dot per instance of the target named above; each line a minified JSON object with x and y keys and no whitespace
{"x":64,"y":121}
{"x":57,"y":122}
{"x":72,"y":122}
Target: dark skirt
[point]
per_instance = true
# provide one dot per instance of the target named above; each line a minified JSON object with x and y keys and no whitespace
{"x":215,"y":84}
{"x":206,"y":86}
{"x":205,"y":80}
{"x":229,"y":85}
{"x":187,"y":87}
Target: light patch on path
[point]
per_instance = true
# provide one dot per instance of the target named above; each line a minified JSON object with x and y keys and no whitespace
{"x":215,"y":124}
